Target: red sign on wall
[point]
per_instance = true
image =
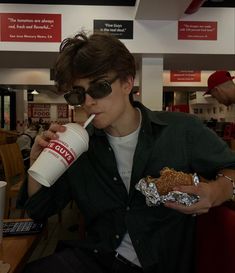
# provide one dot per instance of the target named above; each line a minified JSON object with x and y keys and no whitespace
{"x":30,"y":27}
{"x":197,"y":30}
{"x":185,"y":76}
{"x":40,"y":110}
{"x":62,"y":111}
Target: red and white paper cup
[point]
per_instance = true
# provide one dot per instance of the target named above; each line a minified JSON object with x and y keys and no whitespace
{"x":60,"y":153}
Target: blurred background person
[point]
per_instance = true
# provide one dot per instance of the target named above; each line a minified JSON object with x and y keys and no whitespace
{"x":221,"y":87}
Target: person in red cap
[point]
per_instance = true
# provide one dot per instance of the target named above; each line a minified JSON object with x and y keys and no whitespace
{"x":221,"y":87}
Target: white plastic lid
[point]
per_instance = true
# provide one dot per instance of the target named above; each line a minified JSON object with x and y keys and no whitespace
{"x":78,"y":129}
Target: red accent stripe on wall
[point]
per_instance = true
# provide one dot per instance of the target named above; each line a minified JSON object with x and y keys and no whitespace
{"x":194,"y":6}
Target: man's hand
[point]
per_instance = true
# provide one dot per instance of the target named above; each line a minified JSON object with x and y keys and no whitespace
{"x":40,"y":143}
{"x":42,"y":140}
{"x":211,"y":193}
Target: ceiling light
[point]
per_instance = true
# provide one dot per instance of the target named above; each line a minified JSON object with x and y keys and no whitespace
{"x":35,"y":92}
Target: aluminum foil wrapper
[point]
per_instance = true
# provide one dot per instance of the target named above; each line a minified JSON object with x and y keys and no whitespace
{"x":149,"y":190}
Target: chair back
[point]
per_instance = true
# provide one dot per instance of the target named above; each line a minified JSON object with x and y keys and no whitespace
{"x":7,"y":136}
{"x":13,"y":163}
{"x":3,"y":139}
{"x":14,"y":170}
{"x":215,"y":241}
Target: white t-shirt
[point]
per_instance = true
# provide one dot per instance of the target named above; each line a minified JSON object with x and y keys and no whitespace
{"x":124,"y":148}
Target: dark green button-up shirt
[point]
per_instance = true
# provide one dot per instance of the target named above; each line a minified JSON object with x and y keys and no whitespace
{"x":163,"y":238}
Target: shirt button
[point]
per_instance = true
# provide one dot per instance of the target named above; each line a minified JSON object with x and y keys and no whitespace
{"x":115,"y":178}
{"x":117,"y":236}
{"x":128,"y":208}
{"x":95,"y":251}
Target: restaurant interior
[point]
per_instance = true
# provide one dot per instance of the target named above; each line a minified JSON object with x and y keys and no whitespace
{"x":30,"y":102}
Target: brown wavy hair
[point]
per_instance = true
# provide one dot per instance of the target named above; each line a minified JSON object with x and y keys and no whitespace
{"x":92,"y":56}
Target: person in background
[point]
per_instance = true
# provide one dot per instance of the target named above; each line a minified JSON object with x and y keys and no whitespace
{"x":30,"y":121}
{"x":41,"y":121}
{"x":221,"y":87}
{"x":25,"y":142}
{"x":127,"y":142}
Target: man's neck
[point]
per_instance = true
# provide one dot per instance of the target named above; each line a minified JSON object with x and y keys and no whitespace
{"x":127,"y":124}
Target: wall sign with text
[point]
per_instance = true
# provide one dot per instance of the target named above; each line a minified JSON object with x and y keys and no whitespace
{"x":62,"y":111}
{"x":197,"y":30}
{"x":30,"y":27}
{"x":123,"y":29}
{"x":185,"y":76}
{"x":39,"y":110}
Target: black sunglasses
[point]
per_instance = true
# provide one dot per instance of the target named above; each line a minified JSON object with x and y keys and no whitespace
{"x":97,"y":90}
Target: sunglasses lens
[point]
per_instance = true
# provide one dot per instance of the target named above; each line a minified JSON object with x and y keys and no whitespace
{"x":75,"y":97}
{"x":100,"y":90}
{"x":96,"y":90}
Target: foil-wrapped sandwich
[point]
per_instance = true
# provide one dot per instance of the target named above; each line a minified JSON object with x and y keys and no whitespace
{"x":159,"y":190}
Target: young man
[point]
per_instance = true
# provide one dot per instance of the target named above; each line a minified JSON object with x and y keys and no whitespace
{"x":128,"y":142}
{"x":221,"y":87}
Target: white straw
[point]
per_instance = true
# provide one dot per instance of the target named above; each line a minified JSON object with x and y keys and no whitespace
{"x":88,"y":120}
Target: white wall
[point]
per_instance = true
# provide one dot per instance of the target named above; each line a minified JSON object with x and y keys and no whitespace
{"x":151,"y":82}
{"x":25,"y":76}
{"x":161,"y":36}
{"x":149,"y":36}
{"x":49,"y":97}
{"x":204,"y":76}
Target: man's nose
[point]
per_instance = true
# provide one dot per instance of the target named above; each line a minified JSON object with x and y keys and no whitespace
{"x":89,"y":100}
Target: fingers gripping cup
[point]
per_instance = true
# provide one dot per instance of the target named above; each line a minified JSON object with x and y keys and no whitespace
{"x":60,"y":153}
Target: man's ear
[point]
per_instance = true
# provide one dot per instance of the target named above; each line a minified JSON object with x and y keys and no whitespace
{"x":128,"y":84}
{"x":216,"y":88}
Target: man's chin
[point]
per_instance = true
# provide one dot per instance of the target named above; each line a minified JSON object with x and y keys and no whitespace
{"x":99,"y":125}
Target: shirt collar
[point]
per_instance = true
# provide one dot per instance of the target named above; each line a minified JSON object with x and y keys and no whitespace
{"x":148,"y":117}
